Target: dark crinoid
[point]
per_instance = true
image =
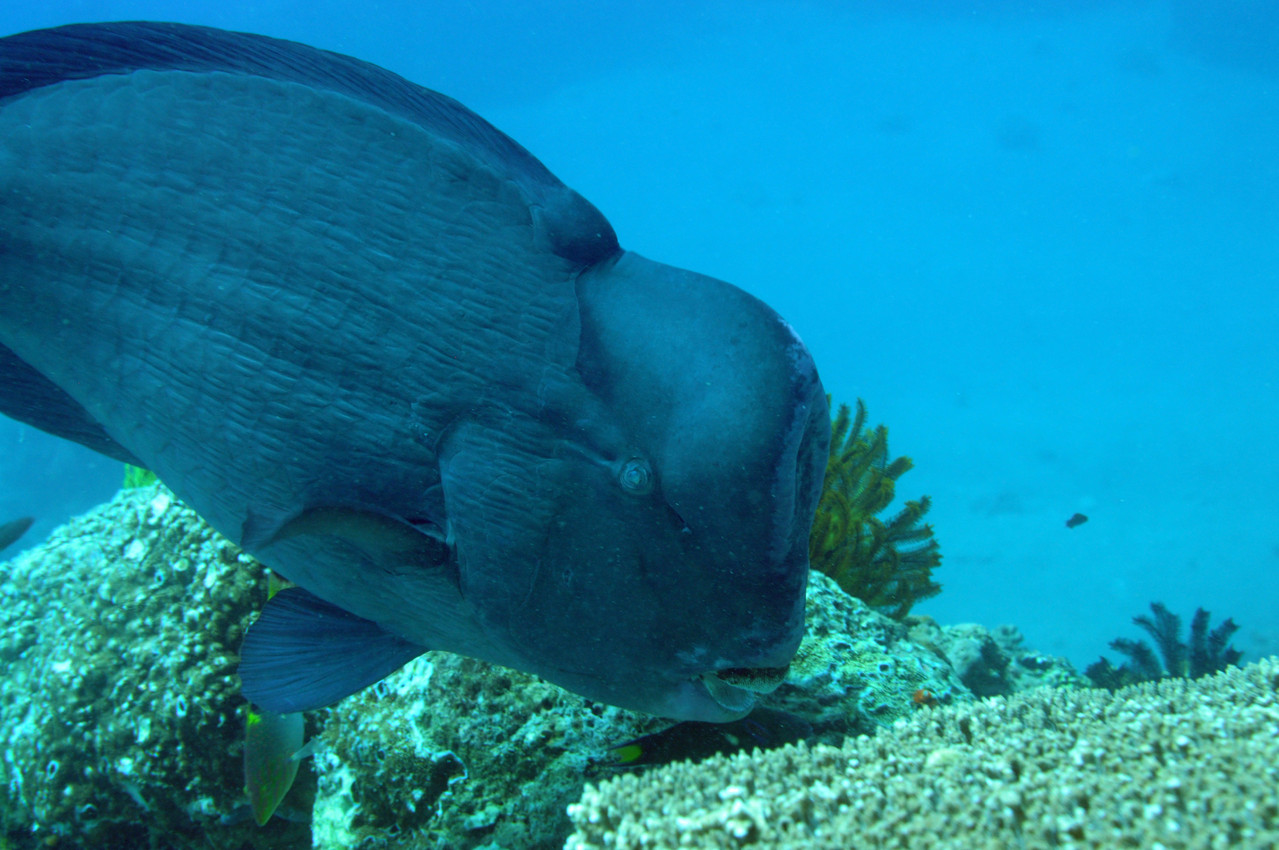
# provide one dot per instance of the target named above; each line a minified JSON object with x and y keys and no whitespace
{"x":887,"y":564}
{"x":1207,"y":652}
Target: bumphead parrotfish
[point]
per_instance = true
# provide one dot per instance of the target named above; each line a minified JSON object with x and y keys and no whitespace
{"x":374,"y":341}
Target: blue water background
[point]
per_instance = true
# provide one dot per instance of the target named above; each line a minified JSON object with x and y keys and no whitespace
{"x":1040,"y":240}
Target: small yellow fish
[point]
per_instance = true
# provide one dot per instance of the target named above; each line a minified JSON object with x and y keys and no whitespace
{"x":272,"y":751}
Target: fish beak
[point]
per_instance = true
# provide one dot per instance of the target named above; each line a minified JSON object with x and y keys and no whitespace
{"x":735,"y":688}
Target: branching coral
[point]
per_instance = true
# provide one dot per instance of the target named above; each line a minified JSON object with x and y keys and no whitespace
{"x":887,"y":565}
{"x":1207,"y":652}
{"x":1176,"y":764}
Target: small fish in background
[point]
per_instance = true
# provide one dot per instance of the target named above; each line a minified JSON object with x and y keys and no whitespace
{"x":1076,"y":519}
{"x":694,"y":740}
{"x":11,"y":531}
{"x":273,"y":749}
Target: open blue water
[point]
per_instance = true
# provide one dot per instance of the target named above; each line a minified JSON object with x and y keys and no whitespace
{"x":1042,"y":245}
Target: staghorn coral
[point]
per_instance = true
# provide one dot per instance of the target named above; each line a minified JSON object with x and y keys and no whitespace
{"x":888,"y":565}
{"x":1207,"y":652}
{"x":1175,"y":764}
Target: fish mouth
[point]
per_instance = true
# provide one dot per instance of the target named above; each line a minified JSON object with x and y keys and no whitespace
{"x":736,"y":688}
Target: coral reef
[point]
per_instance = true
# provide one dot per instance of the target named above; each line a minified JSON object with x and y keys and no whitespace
{"x":1207,"y":652}
{"x":121,"y":715}
{"x":1175,"y":764}
{"x":126,"y":727}
{"x":993,"y":662}
{"x":858,"y":669}
{"x":451,"y":752}
{"x":887,"y":564}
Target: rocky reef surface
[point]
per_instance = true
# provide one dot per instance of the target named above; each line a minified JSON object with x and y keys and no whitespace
{"x":122,"y":723}
{"x":121,"y":719}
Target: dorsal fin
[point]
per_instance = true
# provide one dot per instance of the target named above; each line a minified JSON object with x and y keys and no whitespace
{"x":39,"y":58}
{"x":30,"y":397}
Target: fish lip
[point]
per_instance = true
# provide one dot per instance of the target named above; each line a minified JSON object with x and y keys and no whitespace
{"x":737,"y":689}
{"x":760,"y":680}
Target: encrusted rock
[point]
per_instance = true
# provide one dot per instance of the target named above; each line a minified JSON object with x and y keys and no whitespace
{"x":858,"y":669}
{"x":121,"y":715}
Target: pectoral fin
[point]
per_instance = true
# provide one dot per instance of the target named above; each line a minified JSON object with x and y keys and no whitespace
{"x":305,"y":653}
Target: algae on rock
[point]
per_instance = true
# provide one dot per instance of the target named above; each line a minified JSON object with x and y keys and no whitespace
{"x":858,"y":669}
{"x":993,"y":662}
{"x":449,"y":751}
{"x":121,"y":708}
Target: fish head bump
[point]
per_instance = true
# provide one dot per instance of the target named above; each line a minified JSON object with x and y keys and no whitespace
{"x":641,"y":535}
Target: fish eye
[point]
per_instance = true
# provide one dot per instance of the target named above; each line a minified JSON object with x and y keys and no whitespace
{"x":636,"y":477}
